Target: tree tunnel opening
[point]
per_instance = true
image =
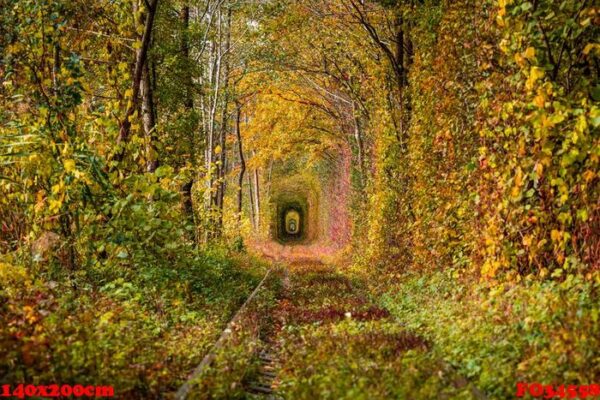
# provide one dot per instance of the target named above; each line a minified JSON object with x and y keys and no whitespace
{"x":294,"y":211}
{"x":291,"y":223}
{"x":308,"y":207}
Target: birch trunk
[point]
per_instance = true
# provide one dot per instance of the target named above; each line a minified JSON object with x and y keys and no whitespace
{"x":148,"y":120}
{"x":242,"y":164}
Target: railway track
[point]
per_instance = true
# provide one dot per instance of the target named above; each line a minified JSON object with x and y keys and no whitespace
{"x":248,"y":330}
{"x":248,"y":359}
{"x":263,"y":383}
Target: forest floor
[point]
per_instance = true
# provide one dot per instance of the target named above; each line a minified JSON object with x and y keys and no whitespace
{"x":300,"y":253}
{"x":343,"y":332}
{"x":330,"y":339}
{"x":333,"y":330}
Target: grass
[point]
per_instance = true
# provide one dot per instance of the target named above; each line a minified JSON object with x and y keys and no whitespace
{"x":142,"y":331}
{"x":339,"y":344}
{"x":419,"y":336}
{"x":433,"y":335}
{"x":498,"y":334}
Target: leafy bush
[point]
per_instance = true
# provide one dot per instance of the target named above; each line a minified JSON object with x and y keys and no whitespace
{"x":497,"y":335}
{"x":142,"y":333}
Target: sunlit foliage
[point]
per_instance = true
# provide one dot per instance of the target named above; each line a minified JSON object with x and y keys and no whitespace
{"x":444,"y":153}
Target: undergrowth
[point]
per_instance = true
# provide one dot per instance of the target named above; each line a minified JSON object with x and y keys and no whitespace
{"x":499,"y":334}
{"x":338,"y":344}
{"x":142,"y":331}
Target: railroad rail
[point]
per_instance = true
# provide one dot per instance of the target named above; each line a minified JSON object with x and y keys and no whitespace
{"x":245,"y":360}
{"x":232,"y":327}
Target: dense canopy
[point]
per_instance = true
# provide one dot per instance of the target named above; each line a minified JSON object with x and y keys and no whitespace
{"x":420,"y":176}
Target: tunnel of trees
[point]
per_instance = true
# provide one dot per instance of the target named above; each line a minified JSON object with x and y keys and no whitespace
{"x":157,"y":157}
{"x":292,"y":218}
{"x":297,"y":196}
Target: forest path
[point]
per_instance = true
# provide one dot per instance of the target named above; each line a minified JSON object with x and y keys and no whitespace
{"x":329,"y":338}
{"x":314,"y":331}
{"x":314,"y":294}
{"x":294,"y":255}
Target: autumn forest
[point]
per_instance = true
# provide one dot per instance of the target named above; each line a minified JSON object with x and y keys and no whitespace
{"x":300,"y":199}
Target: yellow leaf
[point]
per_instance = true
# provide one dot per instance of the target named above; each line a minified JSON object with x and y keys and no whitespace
{"x":106,"y":317}
{"x":588,"y":175}
{"x":515,"y":192}
{"x":529,"y":53}
{"x":519,"y":60}
{"x":540,"y":100}
{"x":57,"y":188}
{"x":539,"y":169}
{"x":54,"y":205}
{"x":500,"y":20}
{"x":519,"y":177}
{"x":589,"y":47}
{"x":69,"y":165}
{"x":218,"y":150}
{"x":535,"y":74}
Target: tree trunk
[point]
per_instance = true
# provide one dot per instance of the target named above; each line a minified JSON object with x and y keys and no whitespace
{"x":148,"y":121}
{"x":359,"y":145}
{"x":242,"y":164}
{"x":221,"y":168}
{"x":269,"y":179}
{"x":251,"y":197}
{"x":400,"y":51}
{"x":188,"y":103}
{"x":257,"y":198}
{"x":215,"y":75}
{"x":140,"y":60}
{"x":188,"y":207}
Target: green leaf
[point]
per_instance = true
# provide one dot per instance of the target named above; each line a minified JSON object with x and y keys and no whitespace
{"x":596,"y":93}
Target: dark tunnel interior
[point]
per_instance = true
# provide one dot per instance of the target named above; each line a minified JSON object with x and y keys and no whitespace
{"x":291,"y":222}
